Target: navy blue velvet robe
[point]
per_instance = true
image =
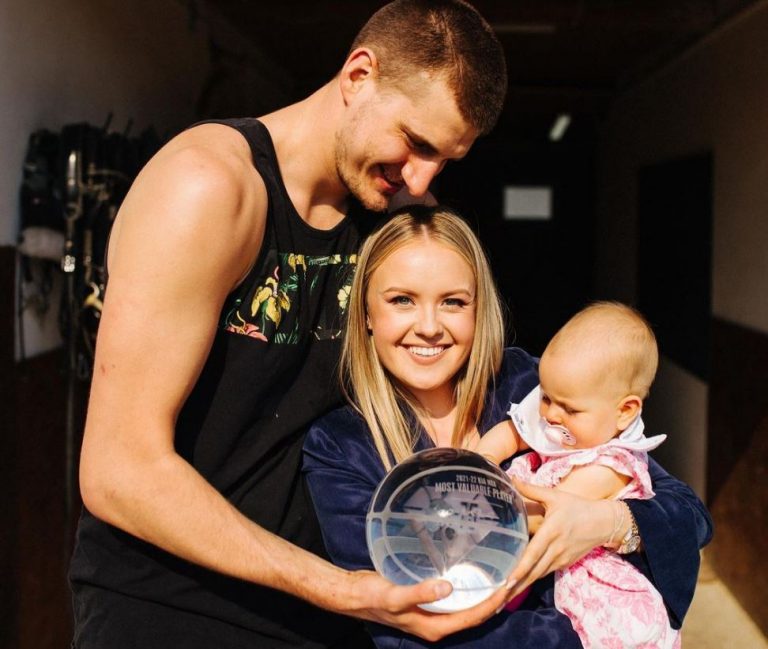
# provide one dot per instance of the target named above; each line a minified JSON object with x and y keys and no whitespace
{"x":343,"y":470}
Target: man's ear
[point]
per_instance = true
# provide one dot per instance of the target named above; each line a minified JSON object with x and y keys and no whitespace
{"x":361,"y":66}
{"x":628,"y":409}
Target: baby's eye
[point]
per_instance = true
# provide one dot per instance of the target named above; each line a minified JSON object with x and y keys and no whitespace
{"x":571,"y":411}
{"x":544,"y":399}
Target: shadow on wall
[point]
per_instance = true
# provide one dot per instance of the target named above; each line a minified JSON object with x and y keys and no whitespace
{"x":737,"y":466}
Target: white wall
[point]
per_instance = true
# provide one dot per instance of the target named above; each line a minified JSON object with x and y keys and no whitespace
{"x":78,"y":60}
{"x":677,"y":407}
{"x":714,"y":97}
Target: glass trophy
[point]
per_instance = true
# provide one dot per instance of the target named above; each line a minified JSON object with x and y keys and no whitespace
{"x":449,"y":514}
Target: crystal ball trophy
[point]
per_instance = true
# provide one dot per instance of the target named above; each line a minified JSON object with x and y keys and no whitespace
{"x":449,"y":514}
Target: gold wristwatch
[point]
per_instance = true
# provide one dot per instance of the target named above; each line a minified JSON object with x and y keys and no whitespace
{"x":631,"y":540}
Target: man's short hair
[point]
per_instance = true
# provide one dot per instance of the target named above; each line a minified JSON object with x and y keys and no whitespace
{"x":445,"y":37}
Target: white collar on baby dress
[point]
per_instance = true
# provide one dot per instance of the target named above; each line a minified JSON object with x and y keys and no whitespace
{"x":552,"y":440}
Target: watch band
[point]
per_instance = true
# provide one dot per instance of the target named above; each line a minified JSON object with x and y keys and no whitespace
{"x":631,"y":540}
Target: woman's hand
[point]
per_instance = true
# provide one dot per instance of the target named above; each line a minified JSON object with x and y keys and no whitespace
{"x":572,"y":527}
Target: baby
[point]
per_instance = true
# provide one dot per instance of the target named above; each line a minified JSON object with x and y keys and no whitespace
{"x":583,"y":424}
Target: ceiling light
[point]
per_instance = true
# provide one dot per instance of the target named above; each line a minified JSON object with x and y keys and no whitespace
{"x":560,"y":126}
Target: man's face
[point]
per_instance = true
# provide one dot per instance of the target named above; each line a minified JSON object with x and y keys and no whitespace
{"x":394,"y":139}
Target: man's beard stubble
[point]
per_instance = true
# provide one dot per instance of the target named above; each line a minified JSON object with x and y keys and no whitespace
{"x":355,"y":183}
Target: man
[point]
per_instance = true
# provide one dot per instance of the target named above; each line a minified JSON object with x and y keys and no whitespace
{"x":218,"y":342}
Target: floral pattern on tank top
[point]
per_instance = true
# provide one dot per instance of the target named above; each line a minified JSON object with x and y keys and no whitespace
{"x":267,"y":313}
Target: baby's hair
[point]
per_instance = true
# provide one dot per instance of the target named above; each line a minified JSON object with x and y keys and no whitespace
{"x":621,"y":336}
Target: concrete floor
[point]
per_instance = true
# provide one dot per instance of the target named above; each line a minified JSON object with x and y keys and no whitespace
{"x":716,"y":621}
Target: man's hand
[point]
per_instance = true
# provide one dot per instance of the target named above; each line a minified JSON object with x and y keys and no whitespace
{"x":572,"y":527}
{"x":381,"y":601}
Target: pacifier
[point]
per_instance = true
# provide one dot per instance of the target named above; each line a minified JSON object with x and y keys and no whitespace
{"x":547,"y":439}
{"x":558,"y":434}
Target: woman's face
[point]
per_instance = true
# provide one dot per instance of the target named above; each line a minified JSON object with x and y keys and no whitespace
{"x":421,"y":315}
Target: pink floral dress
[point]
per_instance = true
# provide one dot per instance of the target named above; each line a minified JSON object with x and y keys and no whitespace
{"x":609,"y":602}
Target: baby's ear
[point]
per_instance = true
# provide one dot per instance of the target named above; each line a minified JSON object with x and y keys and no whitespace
{"x":629,"y":408}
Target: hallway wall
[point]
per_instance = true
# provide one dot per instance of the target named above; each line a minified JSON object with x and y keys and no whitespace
{"x":65,"y":62}
{"x":79,"y":60}
{"x":713,"y":98}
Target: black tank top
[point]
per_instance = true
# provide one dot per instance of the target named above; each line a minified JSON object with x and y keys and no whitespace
{"x":271,"y":371}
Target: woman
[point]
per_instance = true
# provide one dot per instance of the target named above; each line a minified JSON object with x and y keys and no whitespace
{"x":423,"y":365}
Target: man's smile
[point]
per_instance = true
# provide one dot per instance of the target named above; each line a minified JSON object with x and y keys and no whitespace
{"x":392,"y":178}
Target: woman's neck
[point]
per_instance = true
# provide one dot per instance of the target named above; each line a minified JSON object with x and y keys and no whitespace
{"x":437,"y":414}
{"x":439,"y":428}
{"x":436,"y":411}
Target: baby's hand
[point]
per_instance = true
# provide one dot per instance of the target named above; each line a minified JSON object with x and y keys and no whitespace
{"x":499,"y":443}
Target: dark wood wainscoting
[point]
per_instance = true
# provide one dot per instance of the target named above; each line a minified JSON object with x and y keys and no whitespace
{"x":8,"y":480}
{"x":737,"y":463}
{"x":36,"y":541}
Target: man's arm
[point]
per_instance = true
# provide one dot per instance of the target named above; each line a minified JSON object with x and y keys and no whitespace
{"x":187,"y":233}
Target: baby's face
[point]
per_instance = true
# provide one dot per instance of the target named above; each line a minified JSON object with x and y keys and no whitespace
{"x":574,"y":395}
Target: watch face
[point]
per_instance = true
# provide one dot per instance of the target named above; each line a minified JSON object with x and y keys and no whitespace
{"x":631,"y":545}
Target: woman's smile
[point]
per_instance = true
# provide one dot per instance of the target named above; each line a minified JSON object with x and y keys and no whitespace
{"x":426,"y":352}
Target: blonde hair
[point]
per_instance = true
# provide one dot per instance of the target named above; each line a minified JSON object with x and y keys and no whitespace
{"x":618,"y":334}
{"x":367,"y":384}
